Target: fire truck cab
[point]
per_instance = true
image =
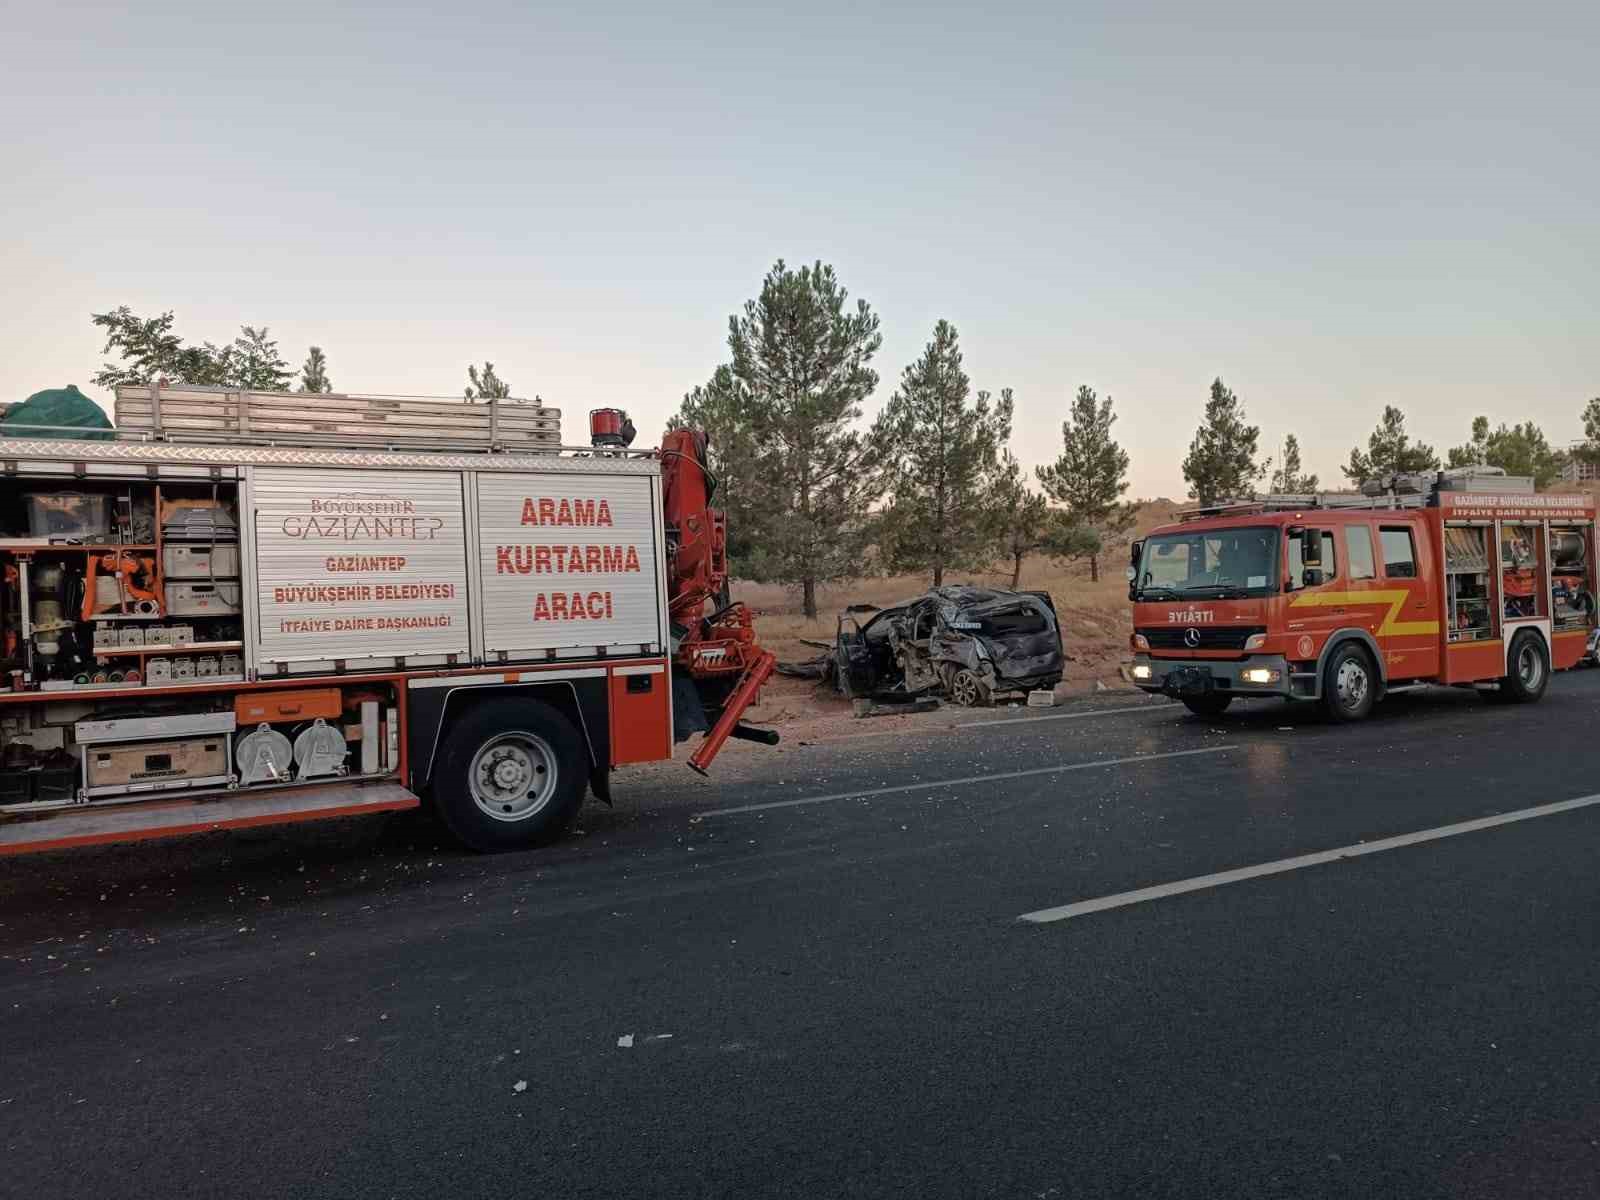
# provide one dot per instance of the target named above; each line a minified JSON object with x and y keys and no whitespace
{"x":1466,"y":578}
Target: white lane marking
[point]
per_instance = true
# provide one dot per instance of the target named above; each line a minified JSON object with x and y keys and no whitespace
{"x":864,"y":793}
{"x":995,"y":722}
{"x":1222,"y":878}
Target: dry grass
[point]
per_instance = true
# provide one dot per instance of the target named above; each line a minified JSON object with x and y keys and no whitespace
{"x":1095,"y":616}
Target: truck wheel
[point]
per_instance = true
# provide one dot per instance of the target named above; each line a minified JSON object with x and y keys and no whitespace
{"x":1530,"y":670}
{"x":1209,"y":704}
{"x":510,"y":775}
{"x":1349,"y":683}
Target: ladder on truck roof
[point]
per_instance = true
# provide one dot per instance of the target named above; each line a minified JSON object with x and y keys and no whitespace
{"x":187,"y":413}
{"x":1417,"y":489}
{"x":1288,"y":502}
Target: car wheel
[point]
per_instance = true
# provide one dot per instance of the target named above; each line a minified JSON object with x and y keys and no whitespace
{"x":1349,"y":683}
{"x":1209,"y":704}
{"x":967,"y":690}
{"x":1529,"y":674}
{"x":510,"y":775}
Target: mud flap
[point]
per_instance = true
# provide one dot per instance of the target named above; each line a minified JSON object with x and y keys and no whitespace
{"x":688,"y":714}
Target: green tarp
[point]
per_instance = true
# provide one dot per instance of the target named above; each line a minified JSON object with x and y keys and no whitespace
{"x":55,"y":406}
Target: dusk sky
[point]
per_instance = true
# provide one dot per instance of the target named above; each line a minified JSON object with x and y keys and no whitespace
{"x":1332,"y":207}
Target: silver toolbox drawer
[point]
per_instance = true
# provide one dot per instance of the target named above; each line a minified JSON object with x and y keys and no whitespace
{"x":200,"y":562}
{"x":202,"y":599}
{"x":132,"y":729}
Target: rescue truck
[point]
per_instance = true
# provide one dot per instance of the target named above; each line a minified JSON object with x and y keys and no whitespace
{"x":1467,"y":578}
{"x":247,"y":608}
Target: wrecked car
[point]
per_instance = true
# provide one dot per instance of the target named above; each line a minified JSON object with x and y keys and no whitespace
{"x":968,"y":643}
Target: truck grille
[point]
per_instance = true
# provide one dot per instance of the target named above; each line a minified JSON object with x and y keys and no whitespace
{"x":1227,"y":637}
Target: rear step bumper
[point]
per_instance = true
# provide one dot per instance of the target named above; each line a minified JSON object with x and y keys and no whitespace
{"x":66,"y":828}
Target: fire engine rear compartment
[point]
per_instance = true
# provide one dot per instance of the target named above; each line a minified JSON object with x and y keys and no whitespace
{"x":225,"y":636}
{"x":124,"y":623}
{"x":1512,"y":573}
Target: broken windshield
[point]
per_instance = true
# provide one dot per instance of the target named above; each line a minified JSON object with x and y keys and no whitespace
{"x":1213,"y":563}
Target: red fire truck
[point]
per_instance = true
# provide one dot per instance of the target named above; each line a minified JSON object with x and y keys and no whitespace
{"x":244,"y":608}
{"x":1465,"y":578}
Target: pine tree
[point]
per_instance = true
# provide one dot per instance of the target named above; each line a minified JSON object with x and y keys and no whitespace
{"x":1021,"y":522}
{"x":1474,"y":453}
{"x":1590,"y":450}
{"x":805,"y":361}
{"x":1520,"y":449}
{"x":722,"y":409}
{"x":485,"y":386}
{"x":938,"y":451}
{"x":1221,"y":462}
{"x":1288,"y":478}
{"x":1092,"y":473}
{"x":314,"y":374}
{"x":1390,"y":451}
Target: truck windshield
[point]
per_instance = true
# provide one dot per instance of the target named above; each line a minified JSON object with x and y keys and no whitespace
{"x":1217,"y":563}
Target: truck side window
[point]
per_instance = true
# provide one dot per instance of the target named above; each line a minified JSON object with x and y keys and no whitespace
{"x":1358,"y":542}
{"x":1399,"y":553}
{"x":1329,"y":565}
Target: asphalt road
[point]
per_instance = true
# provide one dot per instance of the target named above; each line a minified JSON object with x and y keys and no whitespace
{"x":837,"y":998}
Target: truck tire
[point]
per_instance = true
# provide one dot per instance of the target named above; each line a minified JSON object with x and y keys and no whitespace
{"x":1349,"y":683}
{"x":1529,"y":673}
{"x":511,"y":774}
{"x":1210,"y":704}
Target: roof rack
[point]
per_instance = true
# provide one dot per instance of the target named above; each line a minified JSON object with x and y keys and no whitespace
{"x":1414,"y":489}
{"x":1294,"y":502}
{"x":192,"y":414}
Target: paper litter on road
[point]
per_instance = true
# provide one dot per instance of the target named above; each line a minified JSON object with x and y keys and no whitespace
{"x":625,"y":1042}
{"x":520,"y":1085}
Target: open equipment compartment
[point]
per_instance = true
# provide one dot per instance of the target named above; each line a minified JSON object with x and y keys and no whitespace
{"x":121,"y":612}
{"x":1572,"y":600}
{"x":104,"y":584}
{"x":1469,"y":608}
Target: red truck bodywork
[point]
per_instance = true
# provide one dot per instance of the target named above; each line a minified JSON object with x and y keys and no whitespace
{"x":1407,"y":612}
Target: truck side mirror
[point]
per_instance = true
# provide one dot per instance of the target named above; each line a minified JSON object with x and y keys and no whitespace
{"x":1134,"y":552}
{"x":1311,"y":548}
{"x":1312,"y":577}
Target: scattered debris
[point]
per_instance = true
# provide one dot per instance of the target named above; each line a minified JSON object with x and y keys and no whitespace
{"x":625,"y":1042}
{"x":1043,"y":698}
{"x":866,"y":708}
{"x":520,"y":1085}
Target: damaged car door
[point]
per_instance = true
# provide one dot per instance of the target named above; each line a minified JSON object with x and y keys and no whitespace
{"x":861,"y":653}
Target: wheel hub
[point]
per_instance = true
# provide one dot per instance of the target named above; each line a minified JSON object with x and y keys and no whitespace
{"x":513,"y":776}
{"x":1352,"y":684}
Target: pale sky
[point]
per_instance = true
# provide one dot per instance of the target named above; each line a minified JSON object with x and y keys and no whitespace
{"x":1333,"y":207}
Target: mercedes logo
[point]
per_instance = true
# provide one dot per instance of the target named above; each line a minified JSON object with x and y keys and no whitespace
{"x":1191,"y":637}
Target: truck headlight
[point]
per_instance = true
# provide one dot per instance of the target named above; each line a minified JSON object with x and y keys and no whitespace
{"x":1259,"y":675}
{"x":1255,"y":641}
{"x":1141,"y":671}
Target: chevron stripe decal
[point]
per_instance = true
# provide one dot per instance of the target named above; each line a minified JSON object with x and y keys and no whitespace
{"x":1395,"y":598}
